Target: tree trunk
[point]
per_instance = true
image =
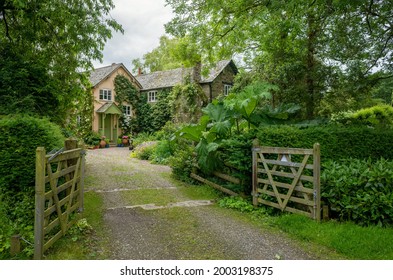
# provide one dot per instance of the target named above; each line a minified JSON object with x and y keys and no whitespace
{"x":310,"y":78}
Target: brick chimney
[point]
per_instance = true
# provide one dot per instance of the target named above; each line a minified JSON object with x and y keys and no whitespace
{"x":139,"y":71}
{"x":196,"y":73}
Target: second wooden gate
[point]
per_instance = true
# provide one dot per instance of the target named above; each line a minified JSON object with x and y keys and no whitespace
{"x":288,"y":179}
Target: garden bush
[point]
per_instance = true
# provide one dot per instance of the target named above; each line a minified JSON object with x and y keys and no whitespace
{"x":379,"y":116}
{"x":144,"y":151}
{"x":182,"y":163}
{"x":359,"y":190}
{"x":20,"y":135}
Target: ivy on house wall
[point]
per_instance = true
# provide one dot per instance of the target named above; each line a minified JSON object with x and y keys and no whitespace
{"x":151,"y":117}
{"x":126,"y":93}
{"x":186,"y":102}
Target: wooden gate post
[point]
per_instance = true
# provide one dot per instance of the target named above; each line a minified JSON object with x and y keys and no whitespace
{"x":317,"y":181}
{"x":255,"y":145}
{"x":82,"y":181}
{"x":15,"y":245}
{"x":39,"y":203}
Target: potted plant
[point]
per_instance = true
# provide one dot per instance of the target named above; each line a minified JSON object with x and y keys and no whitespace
{"x":119,"y":143}
{"x":103,"y":141}
{"x":125,"y":140}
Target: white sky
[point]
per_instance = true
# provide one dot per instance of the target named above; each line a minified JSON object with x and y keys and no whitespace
{"x":143,"y":23}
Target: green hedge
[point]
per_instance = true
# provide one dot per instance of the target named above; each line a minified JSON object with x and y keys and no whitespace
{"x":337,"y":142}
{"x":19,"y":137}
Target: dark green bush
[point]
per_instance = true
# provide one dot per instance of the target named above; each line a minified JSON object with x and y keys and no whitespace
{"x":162,"y":152}
{"x":359,"y":190}
{"x":337,"y":142}
{"x":19,"y":137}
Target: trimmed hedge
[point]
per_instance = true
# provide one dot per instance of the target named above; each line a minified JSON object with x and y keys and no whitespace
{"x":337,"y":142}
{"x":19,"y":137}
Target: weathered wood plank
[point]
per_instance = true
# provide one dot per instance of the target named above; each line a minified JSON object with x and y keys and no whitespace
{"x":286,"y":163}
{"x":66,"y":155}
{"x":52,"y":225}
{"x":61,"y":173}
{"x":214,"y":185}
{"x":281,"y":150}
{"x":303,"y":201}
{"x":287,"y":186}
{"x":227,"y":177}
{"x":39,"y":203}
{"x":52,"y":240}
{"x":289,"y":209}
{"x":317,"y":181}
{"x":287,"y":175}
{"x":60,"y":188}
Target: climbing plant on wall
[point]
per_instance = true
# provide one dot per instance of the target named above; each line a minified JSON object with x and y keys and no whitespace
{"x":186,"y":102}
{"x":126,"y":93}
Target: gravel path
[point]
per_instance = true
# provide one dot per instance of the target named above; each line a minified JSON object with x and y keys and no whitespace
{"x":187,"y":230}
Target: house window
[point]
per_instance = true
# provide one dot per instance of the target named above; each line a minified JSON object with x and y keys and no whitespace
{"x":227,"y":88}
{"x":152,"y":96}
{"x":127,"y":110}
{"x":105,"y":94}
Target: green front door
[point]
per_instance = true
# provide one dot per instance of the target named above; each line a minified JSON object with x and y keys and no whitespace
{"x":108,"y":127}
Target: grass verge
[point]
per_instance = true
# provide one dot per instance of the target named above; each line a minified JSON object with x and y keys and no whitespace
{"x":347,"y":240}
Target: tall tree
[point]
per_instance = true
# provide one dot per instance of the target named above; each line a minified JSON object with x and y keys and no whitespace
{"x":60,"y":38}
{"x":308,"y":47}
{"x":170,"y":54}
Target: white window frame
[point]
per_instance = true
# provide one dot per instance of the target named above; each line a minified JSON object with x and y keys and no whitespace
{"x":127,"y":110}
{"x":227,"y":88}
{"x":152,"y":96}
{"x":105,"y":94}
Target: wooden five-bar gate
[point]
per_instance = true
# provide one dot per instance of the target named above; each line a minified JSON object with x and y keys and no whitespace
{"x":287,"y":179}
{"x":58,"y":194}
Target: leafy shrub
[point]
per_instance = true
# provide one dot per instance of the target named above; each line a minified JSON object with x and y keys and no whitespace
{"x":182,"y":163}
{"x":359,"y":190}
{"x":377,"y":116}
{"x":19,"y":137}
{"x":162,"y":152}
{"x":237,"y":203}
{"x":144,"y":151}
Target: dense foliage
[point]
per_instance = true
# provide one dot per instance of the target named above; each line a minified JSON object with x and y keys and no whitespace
{"x":170,"y":54}
{"x":379,"y":116}
{"x":326,"y":56}
{"x":186,"y":102}
{"x":359,"y":190}
{"x":19,"y":137}
{"x":126,"y":94}
{"x":44,"y":46}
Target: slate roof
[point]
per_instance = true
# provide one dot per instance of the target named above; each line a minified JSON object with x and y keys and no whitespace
{"x":102,"y":73}
{"x":170,"y":78}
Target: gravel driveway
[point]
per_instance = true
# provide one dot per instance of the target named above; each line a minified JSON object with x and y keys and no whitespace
{"x":188,"y":230}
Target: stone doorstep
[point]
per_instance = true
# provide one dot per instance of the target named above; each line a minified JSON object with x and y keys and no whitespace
{"x":152,"y":206}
